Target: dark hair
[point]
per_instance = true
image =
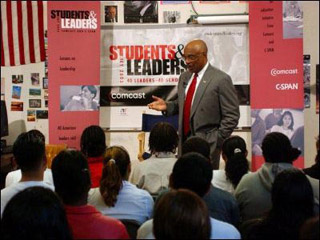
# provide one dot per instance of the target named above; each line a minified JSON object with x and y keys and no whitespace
{"x":93,"y":141}
{"x":163,"y":138}
{"x":280,"y":123}
{"x":71,"y":176}
{"x":29,"y":151}
{"x":91,"y":88}
{"x":116,"y":162}
{"x":310,"y":229}
{"x":196,"y":144}
{"x":235,"y":149}
{"x":276,"y":147}
{"x":181,"y":214}
{"x":37,"y":133}
{"x":192,"y":171}
{"x":35,"y":213}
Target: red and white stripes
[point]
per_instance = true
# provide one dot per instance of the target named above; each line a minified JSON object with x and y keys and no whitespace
{"x":22,"y":33}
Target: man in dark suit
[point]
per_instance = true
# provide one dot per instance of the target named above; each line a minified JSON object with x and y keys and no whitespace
{"x":207,"y":102}
{"x":140,"y":12}
{"x":111,"y":14}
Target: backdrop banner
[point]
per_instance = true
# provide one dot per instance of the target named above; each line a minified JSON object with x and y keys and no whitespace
{"x":73,"y":57}
{"x":276,"y":73}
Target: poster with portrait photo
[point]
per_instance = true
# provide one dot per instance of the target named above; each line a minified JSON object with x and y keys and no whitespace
{"x":34,"y":103}
{"x":35,"y":79}
{"x":141,"y":12}
{"x":171,"y":17}
{"x":290,"y":122}
{"x":42,"y":114}
{"x":16,"y":92}
{"x":79,"y":98}
{"x":110,"y":14}
{"x":292,"y":19}
{"x":31,"y":115}
{"x":17,"y":79}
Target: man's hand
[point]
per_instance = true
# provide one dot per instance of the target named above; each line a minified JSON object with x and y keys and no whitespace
{"x":158,"y":104}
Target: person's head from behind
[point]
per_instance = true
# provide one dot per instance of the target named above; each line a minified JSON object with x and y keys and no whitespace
{"x":192,"y":171}
{"x":116,"y":169}
{"x":29,"y":152}
{"x":195,"y":55}
{"x":196,"y":144}
{"x":292,"y":197}
{"x":276,"y":148}
{"x":93,"y":141}
{"x":234,"y":152}
{"x":181,"y":214}
{"x":35,"y":213}
{"x":71,"y":177}
{"x":286,"y":120}
{"x":163,"y":138}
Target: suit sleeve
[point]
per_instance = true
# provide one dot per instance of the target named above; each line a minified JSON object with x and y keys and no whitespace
{"x":229,"y":105}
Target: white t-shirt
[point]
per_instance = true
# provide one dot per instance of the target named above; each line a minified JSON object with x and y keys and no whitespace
{"x":8,"y":192}
{"x":219,"y":230}
{"x":219,"y":180}
{"x":15,"y":176}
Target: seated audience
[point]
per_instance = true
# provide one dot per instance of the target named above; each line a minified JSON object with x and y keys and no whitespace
{"x":15,"y":176}
{"x":35,"y":213}
{"x":310,"y":229}
{"x":181,"y":214}
{"x":29,"y":153}
{"x":93,"y":146}
{"x":221,"y":204}
{"x":314,"y":170}
{"x":253,"y":193}
{"x":153,"y":174}
{"x":234,"y":153}
{"x":72,"y":182}
{"x":292,"y":205}
{"x":116,"y":197}
{"x":193,"y":172}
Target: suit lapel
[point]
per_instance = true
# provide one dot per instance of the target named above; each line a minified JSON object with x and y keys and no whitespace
{"x":201,"y":89}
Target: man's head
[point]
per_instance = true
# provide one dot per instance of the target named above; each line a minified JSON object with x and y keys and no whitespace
{"x":163,"y":138}
{"x":112,"y":11}
{"x":93,"y":141}
{"x":71,"y":177}
{"x":196,"y":144}
{"x":29,"y":151}
{"x":192,"y":171}
{"x":195,"y":55}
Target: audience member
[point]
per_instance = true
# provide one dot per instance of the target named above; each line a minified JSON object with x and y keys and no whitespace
{"x":253,"y":193}
{"x":285,"y":125}
{"x":35,"y":213}
{"x":181,"y":214}
{"x":221,"y":204}
{"x":29,"y":153}
{"x":310,"y":229}
{"x":116,"y":197}
{"x":193,"y":171}
{"x":15,"y":176}
{"x":314,"y":170}
{"x":93,"y":146}
{"x":72,"y":182}
{"x":234,"y":153}
{"x":292,"y":205}
{"x":153,"y":174}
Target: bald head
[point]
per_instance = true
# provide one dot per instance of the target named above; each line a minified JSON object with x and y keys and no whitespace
{"x":195,"y":54}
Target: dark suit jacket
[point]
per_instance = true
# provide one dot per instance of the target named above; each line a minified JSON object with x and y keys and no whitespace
{"x":215,"y":109}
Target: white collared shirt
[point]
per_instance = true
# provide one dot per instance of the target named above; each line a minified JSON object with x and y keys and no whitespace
{"x":200,"y":75}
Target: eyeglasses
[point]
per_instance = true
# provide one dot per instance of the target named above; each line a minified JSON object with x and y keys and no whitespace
{"x":191,"y":57}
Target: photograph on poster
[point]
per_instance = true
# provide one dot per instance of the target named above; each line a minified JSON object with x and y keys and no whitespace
{"x":35,"y":80}
{"x":292,"y":14}
{"x":34,"y":103}
{"x":141,"y":12}
{"x":42,"y":114}
{"x":79,"y":98}
{"x":46,"y":103}
{"x":17,"y":79}
{"x":17,"y":106}
{"x":45,"y":83}
{"x":110,"y":14}
{"x":16,"y":92}
{"x":34,"y":92}
{"x":45,"y":94}
{"x":171,"y":16}
{"x":306,"y":80}
{"x":31,"y":115}
{"x":290,"y":122}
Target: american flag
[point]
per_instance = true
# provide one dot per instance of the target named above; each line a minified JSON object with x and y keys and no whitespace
{"x":22,"y":33}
